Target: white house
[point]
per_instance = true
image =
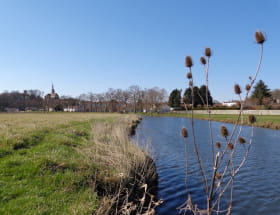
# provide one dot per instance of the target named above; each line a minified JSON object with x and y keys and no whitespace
{"x":230,"y":104}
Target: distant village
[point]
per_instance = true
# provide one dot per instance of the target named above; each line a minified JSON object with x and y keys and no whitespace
{"x":133,"y":99}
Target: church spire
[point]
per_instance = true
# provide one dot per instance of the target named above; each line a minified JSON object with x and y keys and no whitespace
{"x":53,"y":89}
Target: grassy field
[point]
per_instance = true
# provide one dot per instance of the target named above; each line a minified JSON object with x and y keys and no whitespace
{"x":69,"y":163}
{"x":264,"y":121}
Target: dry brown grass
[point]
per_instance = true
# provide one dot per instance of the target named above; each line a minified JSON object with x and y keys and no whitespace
{"x":17,"y":125}
{"x":128,"y":183}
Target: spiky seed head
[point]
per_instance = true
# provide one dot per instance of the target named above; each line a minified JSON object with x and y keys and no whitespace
{"x":218,"y":175}
{"x":189,"y":62}
{"x":260,"y":39}
{"x":224,"y":131}
{"x":242,"y":140}
{"x":184,"y":132}
{"x":230,"y":146}
{"x":218,"y":145}
{"x":238,"y":103}
{"x":237,"y":89}
{"x":189,"y":75}
{"x":252,"y":119}
{"x":190,"y":83}
{"x":202,"y":60}
{"x":248,"y":87}
{"x":208,"y":52}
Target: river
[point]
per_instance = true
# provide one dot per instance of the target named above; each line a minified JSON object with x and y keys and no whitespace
{"x":256,"y":187}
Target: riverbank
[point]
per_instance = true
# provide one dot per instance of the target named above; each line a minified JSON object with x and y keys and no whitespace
{"x":73,"y":163}
{"x":263,"y":121}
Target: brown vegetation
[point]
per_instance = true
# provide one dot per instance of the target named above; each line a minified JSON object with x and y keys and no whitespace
{"x":224,"y":166}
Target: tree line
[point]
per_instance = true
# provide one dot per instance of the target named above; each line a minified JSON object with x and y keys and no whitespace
{"x":199,"y":97}
{"x":261,"y":95}
{"x":28,"y":99}
{"x":133,"y":99}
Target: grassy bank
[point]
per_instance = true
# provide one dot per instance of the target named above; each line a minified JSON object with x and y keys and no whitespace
{"x":264,"y":121}
{"x":73,"y":163}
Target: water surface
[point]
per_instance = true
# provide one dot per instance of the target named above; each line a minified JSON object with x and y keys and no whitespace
{"x":257,"y":187}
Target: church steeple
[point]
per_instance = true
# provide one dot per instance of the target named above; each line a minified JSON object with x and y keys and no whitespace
{"x":51,"y":99}
{"x":53,"y":92}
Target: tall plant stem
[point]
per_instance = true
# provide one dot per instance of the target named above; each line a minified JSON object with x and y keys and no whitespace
{"x":206,"y":68}
{"x":195,"y":144}
{"x":259,"y":65}
{"x":210,"y":197}
{"x":187,"y":163}
{"x":247,"y":94}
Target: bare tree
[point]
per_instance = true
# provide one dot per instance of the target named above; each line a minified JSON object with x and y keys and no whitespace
{"x":122,"y":97}
{"x":110,"y":97}
{"x":102,"y":105}
{"x":135,"y":95}
{"x":154,"y":98}
{"x":82,"y":98}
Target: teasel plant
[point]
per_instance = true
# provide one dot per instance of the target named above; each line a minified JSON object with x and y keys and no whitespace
{"x":219,"y":185}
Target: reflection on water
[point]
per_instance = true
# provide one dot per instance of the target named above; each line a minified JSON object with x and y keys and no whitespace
{"x":257,"y":187}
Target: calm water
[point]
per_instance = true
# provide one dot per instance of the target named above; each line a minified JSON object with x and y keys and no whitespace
{"x":257,"y":186}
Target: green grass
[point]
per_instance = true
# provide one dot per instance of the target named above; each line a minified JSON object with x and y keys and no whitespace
{"x":265,"y":121}
{"x":58,"y":163}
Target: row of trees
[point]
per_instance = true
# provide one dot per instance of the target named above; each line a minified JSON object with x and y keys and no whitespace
{"x":28,"y":99}
{"x":133,"y":99}
{"x":261,"y":95}
{"x":200,"y":99}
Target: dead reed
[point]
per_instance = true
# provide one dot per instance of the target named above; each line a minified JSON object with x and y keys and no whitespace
{"x":129,"y":183}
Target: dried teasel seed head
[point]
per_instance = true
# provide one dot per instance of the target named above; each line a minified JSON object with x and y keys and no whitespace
{"x":208,"y":52}
{"x":230,"y":146}
{"x":260,"y":39}
{"x":242,"y":140}
{"x":189,"y":62}
{"x":184,"y":132}
{"x":248,"y":87}
{"x":202,"y":60}
{"x":189,"y":75}
{"x":190,"y":83}
{"x":252,"y":119}
{"x":224,"y":131}
{"x":238,"y":103}
{"x":218,"y":145}
{"x":218,"y":175}
{"x":237,"y":89}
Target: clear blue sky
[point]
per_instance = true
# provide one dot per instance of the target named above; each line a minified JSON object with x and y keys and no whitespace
{"x":91,"y":45}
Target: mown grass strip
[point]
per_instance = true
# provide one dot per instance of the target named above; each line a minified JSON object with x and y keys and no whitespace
{"x":264,"y":121}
